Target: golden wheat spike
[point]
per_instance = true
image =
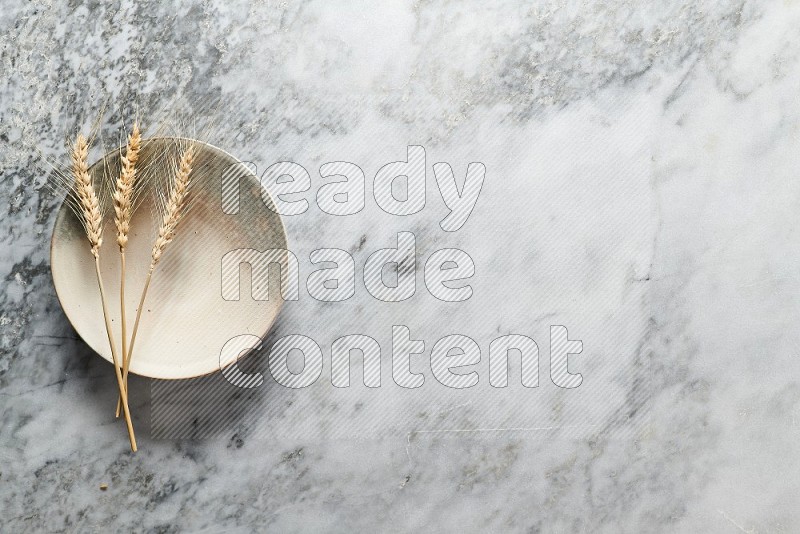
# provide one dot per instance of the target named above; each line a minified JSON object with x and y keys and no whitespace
{"x":87,"y":197}
{"x":175,"y":206}
{"x":123,"y":192}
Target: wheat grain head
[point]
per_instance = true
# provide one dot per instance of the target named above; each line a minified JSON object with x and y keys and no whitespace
{"x":86,"y":196}
{"x":123,"y":191}
{"x":175,"y":205}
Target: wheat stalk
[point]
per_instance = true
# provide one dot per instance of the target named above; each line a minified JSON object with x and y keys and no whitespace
{"x":173,"y":213}
{"x":123,"y":210}
{"x":92,"y":216}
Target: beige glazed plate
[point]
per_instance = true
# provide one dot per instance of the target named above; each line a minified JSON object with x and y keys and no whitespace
{"x":185,"y":320}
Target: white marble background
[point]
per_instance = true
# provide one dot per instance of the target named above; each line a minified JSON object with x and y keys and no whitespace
{"x":641,"y":189}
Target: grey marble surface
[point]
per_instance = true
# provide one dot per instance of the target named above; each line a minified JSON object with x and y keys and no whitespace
{"x":641,"y":189}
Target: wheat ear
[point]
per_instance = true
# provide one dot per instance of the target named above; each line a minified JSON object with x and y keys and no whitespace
{"x":175,"y":206}
{"x":93,"y":223}
{"x":174,"y":211}
{"x":87,"y":197}
{"x":123,"y":210}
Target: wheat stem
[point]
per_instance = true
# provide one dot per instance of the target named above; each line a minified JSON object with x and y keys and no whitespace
{"x":127,"y":362}
{"x":114,"y":356}
{"x":123,"y":319}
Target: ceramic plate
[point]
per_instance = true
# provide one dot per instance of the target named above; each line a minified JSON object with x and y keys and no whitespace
{"x":185,"y":320}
